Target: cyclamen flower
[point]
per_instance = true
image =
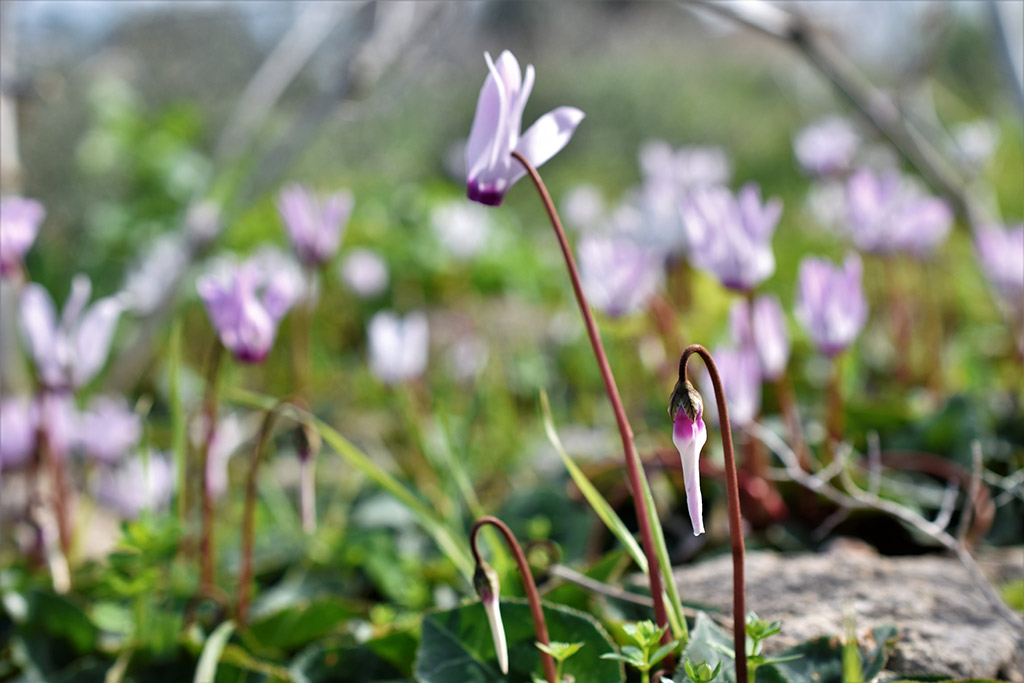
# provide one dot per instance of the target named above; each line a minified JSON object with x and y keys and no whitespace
{"x":583,"y":206}
{"x":1001,"y":255}
{"x":689,"y":434}
{"x":19,"y":224}
{"x":108,"y":429}
{"x":827,"y":147}
{"x":830,"y":303}
{"x":769,"y":338}
{"x":618,"y":276}
{"x":365,"y":272}
{"x":246,"y":301}
{"x":685,"y":168}
{"x":398,"y":348}
{"x":231,"y":433}
{"x":137,"y":485}
{"x":19,"y":422}
{"x":730,"y":236}
{"x":463,"y":229}
{"x":485,"y":581}
{"x":668,"y":174}
{"x":888,"y":214}
{"x":740,"y":373}
{"x":490,"y":168}
{"x":314,"y":225}
{"x":69,"y":352}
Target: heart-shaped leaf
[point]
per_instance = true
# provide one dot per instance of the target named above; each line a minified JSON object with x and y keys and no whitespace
{"x":456,"y":646}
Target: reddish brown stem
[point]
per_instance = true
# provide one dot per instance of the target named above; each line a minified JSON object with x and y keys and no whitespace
{"x":249,"y":514}
{"x":834,"y":418}
{"x":60,"y":495}
{"x":735,"y":520}
{"x":633,"y":467}
{"x":206,"y":545}
{"x":532,"y":596}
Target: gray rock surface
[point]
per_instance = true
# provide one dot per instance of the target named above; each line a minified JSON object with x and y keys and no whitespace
{"x":946,"y":625}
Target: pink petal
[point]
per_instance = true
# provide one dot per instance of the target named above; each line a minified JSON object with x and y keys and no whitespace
{"x":549,"y":134}
{"x":93,"y":338}
{"x":38,"y":318}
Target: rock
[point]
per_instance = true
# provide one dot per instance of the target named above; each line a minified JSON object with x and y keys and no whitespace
{"x":946,"y":624}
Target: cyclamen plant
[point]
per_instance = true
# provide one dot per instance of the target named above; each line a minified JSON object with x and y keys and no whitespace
{"x":496,"y":157}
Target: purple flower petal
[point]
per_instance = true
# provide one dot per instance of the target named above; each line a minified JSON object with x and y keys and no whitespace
{"x":20,"y":219}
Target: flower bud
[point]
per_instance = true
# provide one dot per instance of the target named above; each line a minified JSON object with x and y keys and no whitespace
{"x":485,"y":581}
{"x":689,"y":435}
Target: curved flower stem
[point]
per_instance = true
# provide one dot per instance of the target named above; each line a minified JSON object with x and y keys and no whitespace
{"x":532,"y":596}
{"x":206,"y":544}
{"x":633,"y":467}
{"x":735,"y":521}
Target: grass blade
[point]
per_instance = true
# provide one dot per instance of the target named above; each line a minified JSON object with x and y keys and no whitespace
{"x":206,"y":670}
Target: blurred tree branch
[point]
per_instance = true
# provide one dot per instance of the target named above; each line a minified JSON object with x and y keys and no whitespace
{"x":879,"y":109}
{"x":852,"y":497}
{"x":379,"y":33}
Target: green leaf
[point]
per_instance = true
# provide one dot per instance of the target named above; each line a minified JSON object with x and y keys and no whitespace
{"x":452,"y":545}
{"x":707,"y":643}
{"x":349,"y":664}
{"x":601,"y":507}
{"x":456,"y":645}
{"x":206,"y":670}
{"x":298,"y":624}
{"x":821,"y":659}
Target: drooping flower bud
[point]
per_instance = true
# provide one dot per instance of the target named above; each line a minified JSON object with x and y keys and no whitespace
{"x":689,"y":434}
{"x":485,"y":581}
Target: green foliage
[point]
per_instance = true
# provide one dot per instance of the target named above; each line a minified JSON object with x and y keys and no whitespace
{"x":646,"y":652}
{"x":456,"y":646}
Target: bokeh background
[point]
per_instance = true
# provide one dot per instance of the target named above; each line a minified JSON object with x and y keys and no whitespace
{"x":129,"y":120}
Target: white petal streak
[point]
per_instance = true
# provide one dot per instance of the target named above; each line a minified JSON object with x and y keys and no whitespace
{"x":549,"y":134}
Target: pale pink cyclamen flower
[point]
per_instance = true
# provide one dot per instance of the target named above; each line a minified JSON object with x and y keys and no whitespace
{"x":19,"y":422}
{"x":689,"y":434}
{"x":59,"y":421}
{"x":398,"y":347}
{"x":19,"y":224}
{"x":667,"y":176}
{"x":490,"y":168}
{"x":583,"y":206}
{"x":740,"y":372}
{"x":619,"y":276}
{"x":69,"y":352}
{"x":769,"y":338}
{"x":730,"y":236}
{"x":684,"y":168}
{"x":1001,"y":256}
{"x":830,"y":303}
{"x":827,"y":147}
{"x":136,"y":485}
{"x":886,"y":213}
{"x":314,"y":224}
{"x":364,"y":272}
{"x":246,"y":301}
{"x":108,"y":429}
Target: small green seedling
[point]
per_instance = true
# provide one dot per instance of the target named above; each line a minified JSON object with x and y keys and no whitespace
{"x":758,"y":630}
{"x":647,"y":652}
{"x":559,"y":652}
{"x":702,"y":672}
